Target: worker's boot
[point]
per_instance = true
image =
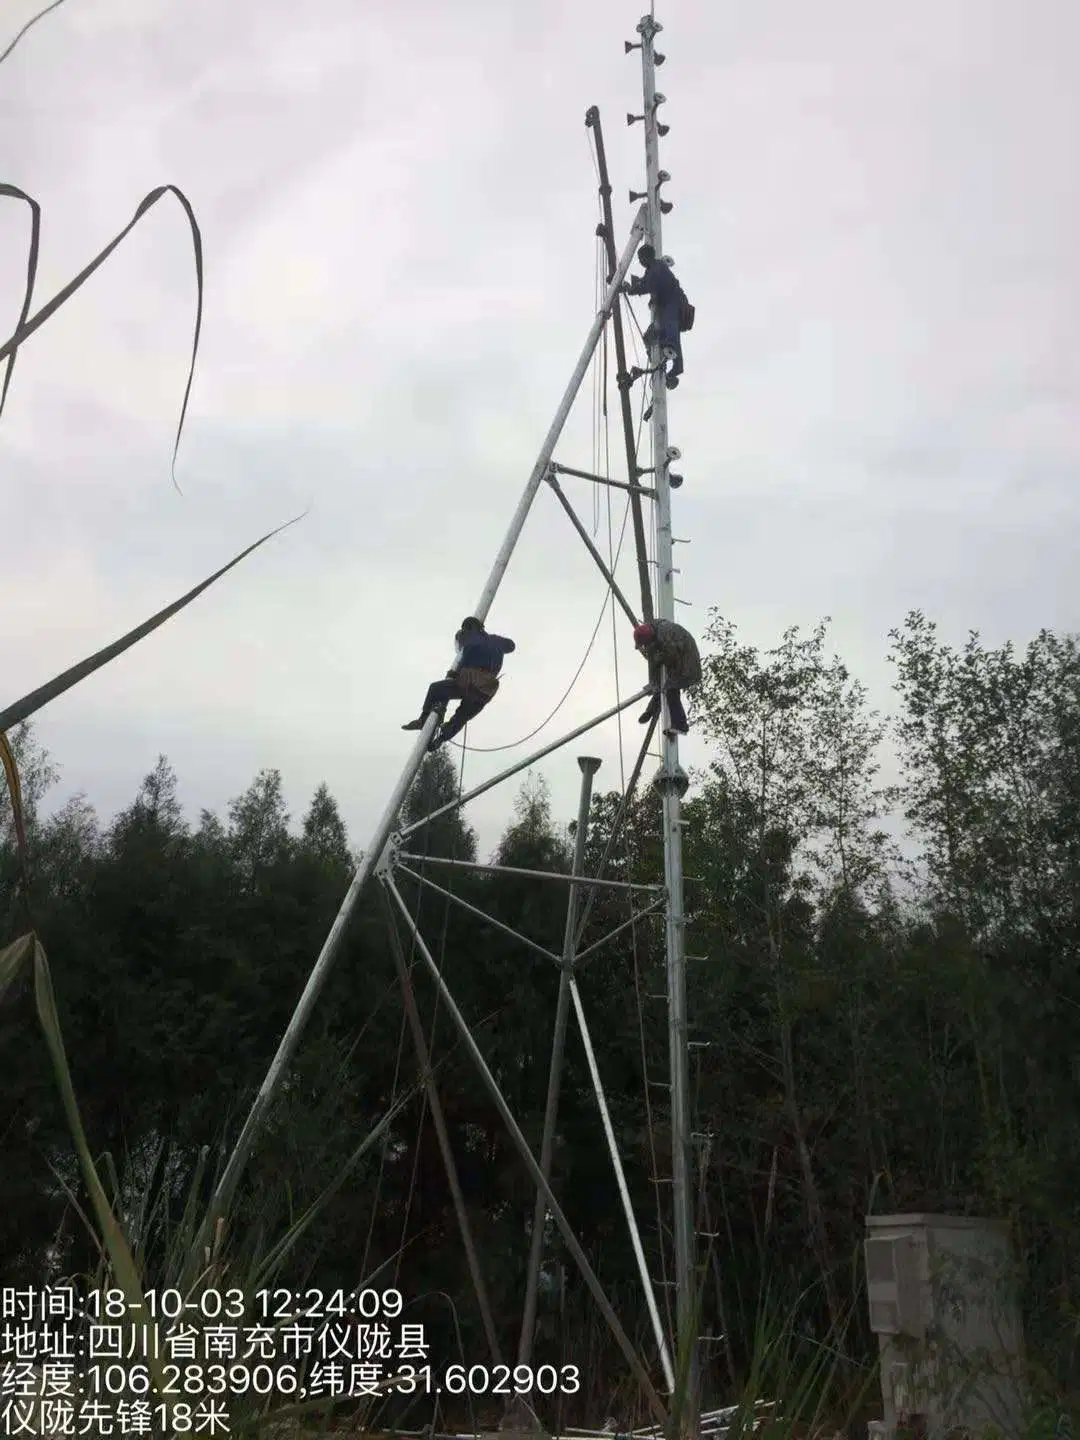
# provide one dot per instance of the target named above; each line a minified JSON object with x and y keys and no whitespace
{"x":446,"y":731}
{"x":419,"y":724}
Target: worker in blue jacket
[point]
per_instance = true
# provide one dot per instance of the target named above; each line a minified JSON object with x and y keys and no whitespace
{"x":473,"y":682}
{"x":665,"y":292}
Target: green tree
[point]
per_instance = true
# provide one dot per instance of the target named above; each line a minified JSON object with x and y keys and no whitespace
{"x":795,"y":771}
{"x":259,"y":827}
{"x":990,"y":741}
{"x":323,"y":833}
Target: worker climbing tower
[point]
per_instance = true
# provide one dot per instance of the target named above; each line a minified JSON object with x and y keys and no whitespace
{"x":390,"y":853}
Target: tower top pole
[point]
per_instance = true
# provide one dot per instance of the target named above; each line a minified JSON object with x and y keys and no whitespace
{"x":671,"y":783}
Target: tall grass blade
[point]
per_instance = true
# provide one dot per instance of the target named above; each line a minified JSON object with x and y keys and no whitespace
{"x":11,"y":775}
{"x":299,"y":1226}
{"x":13,"y":192}
{"x":12,"y":958}
{"x":88,"y":1225}
{"x":144,"y":1214}
{"x":123,"y":1266}
{"x":176,"y":1253}
{"x":33,"y":702}
{"x":795,"y":1386}
{"x":29,"y":26}
{"x":27,"y":327}
{"x":681,"y":1398}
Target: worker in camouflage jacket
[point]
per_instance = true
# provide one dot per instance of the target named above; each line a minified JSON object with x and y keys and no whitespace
{"x":670,"y":647}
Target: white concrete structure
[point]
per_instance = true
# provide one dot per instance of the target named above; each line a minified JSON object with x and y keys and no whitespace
{"x":943,"y":1306}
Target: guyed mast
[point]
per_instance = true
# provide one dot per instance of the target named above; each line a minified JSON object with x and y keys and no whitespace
{"x":389,"y":853}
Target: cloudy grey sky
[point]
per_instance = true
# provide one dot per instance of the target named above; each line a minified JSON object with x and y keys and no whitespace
{"x":877,"y":216}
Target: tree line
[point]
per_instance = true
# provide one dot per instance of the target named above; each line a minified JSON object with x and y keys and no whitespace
{"x":878,"y":1027}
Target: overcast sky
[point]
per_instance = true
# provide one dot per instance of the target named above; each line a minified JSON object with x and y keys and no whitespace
{"x":877,"y":217}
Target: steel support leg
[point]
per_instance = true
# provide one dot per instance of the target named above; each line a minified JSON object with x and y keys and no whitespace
{"x":439,"y":1121}
{"x":616,"y":824}
{"x":613,"y":584}
{"x":625,"y":1344}
{"x":592,"y":120}
{"x":624,"y":1191}
{"x":589,"y":766}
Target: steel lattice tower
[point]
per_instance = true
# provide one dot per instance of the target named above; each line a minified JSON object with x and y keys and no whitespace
{"x":388,"y":852}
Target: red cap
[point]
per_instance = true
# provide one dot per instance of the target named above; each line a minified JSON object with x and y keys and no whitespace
{"x":642,"y":634}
